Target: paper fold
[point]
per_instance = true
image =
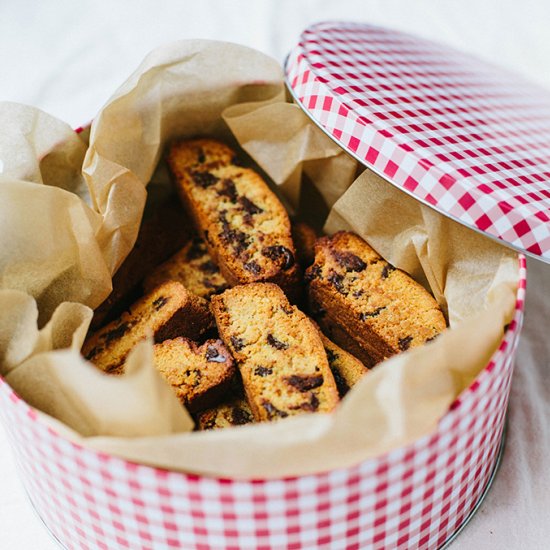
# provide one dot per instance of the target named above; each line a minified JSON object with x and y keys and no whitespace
{"x":68,"y":222}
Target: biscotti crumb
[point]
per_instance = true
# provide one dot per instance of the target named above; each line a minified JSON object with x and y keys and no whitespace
{"x":168,"y":311}
{"x":193,"y":267}
{"x":199,"y":375}
{"x":278,"y":351}
{"x":364,"y":304}
{"x":245,"y":226}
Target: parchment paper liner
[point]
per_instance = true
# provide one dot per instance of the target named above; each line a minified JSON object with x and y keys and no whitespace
{"x":61,"y":241}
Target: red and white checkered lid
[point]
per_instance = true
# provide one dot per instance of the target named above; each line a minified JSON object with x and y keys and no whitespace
{"x":465,"y":137}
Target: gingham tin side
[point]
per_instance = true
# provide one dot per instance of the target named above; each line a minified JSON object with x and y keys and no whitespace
{"x":464,"y":137}
{"x":413,"y":497}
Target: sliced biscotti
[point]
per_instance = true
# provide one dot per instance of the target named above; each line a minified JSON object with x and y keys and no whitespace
{"x":366,"y":305}
{"x":160,"y":235}
{"x":200,"y":153}
{"x":199,"y":375}
{"x":193,"y":267}
{"x":245,"y":226}
{"x":346,"y":369}
{"x":278,"y":351}
{"x":235,"y":412}
{"x":168,"y":311}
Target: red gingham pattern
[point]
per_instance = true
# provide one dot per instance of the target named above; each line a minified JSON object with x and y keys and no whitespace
{"x":413,"y":497}
{"x":460,"y":135}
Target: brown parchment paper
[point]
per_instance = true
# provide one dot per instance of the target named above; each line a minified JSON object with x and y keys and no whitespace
{"x":73,"y":218}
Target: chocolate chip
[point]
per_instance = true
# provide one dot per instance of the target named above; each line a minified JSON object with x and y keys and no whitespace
{"x":203,"y":179}
{"x":277,"y":344}
{"x":358,"y":294}
{"x":93,"y":352}
{"x":237,"y":343}
{"x":311,"y":405}
{"x":287,"y":309}
{"x":207,"y":237}
{"x":272,"y":411}
{"x":195,"y":375}
{"x":263,"y":371}
{"x":331,"y":355}
{"x":214,"y":356}
{"x":386,"y":270}
{"x":314,"y":272}
{"x":209,"y":267}
{"x":404,"y":343}
{"x":237,"y":238}
{"x":279,"y":254}
{"x":253,"y":267}
{"x":305,"y":383}
{"x":160,"y":302}
{"x":116,"y":333}
{"x":200,"y":155}
{"x":196,"y":250}
{"x":337,"y":280}
{"x":369,"y":314}
{"x":240,"y":416}
{"x":349,"y":261}
{"x":249,"y":206}
{"x":341,"y":383}
{"x":228,"y":190}
{"x":431,"y":338}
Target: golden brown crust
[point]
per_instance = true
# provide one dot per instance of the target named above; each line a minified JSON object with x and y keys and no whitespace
{"x":166,"y":312}
{"x":193,"y":267}
{"x":166,"y":231}
{"x":278,"y":351}
{"x":366,"y":305}
{"x":199,"y":375}
{"x":245,"y":226}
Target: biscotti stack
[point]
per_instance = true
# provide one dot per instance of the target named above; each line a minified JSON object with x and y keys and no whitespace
{"x":234,"y":335}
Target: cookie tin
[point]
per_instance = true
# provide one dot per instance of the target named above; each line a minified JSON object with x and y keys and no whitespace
{"x":417,"y":496}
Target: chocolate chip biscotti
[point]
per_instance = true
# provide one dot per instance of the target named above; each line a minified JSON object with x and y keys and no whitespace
{"x":278,"y":351}
{"x":193,"y":267}
{"x":199,"y":375}
{"x":245,"y":226}
{"x":346,"y":369}
{"x":160,"y":235}
{"x":364,"y":304}
{"x":235,"y":412}
{"x":166,"y":312}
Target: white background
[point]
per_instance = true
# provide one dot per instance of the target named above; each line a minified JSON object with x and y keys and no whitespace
{"x":68,"y":57}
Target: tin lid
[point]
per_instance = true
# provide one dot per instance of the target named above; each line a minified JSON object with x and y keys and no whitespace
{"x":462,"y":136}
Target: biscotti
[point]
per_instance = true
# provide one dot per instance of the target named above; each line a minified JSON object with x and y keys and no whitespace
{"x":346,"y":369}
{"x":278,"y":351}
{"x":193,"y":267}
{"x":235,"y":412}
{"x":199,"y":375}
{"x":166,"y":312}
{"x":245,"y":226}
{"x":160,"y":235}
{"x":364,"y":304}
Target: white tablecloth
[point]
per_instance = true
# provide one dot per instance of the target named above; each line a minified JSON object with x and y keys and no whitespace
{"x":67,"y":58}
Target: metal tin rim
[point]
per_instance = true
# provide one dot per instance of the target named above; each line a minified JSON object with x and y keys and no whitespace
{"x":444,"y":546}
